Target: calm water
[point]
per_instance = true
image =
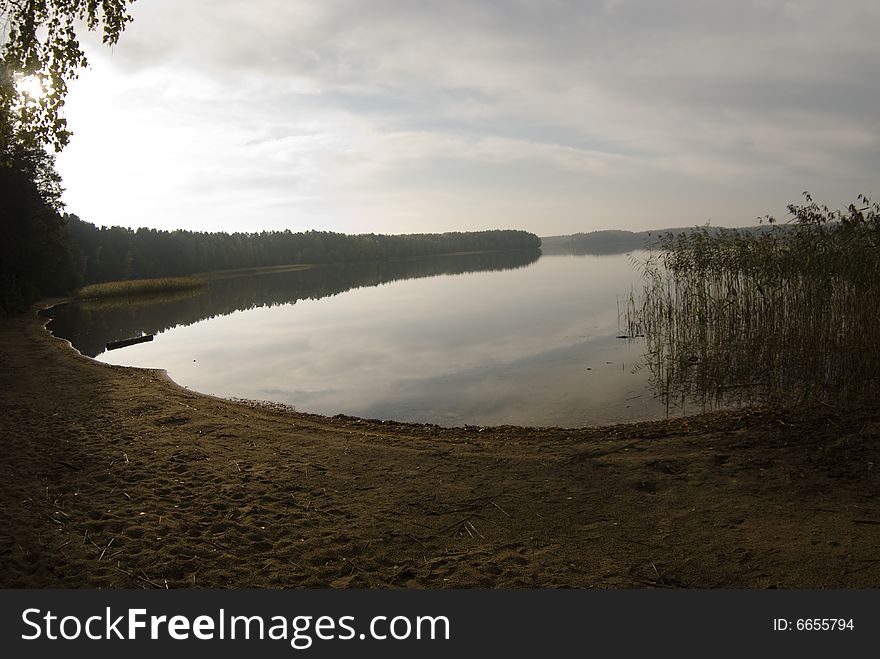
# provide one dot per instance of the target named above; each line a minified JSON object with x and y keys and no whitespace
{"x":473,"y":339}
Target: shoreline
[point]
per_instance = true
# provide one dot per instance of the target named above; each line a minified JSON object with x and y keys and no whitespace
{"x":120,"y":477}
{"x":648,"y":427}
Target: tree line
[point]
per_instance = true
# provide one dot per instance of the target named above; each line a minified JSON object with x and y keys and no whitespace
{"x":40,"y":48}
{"x":114,"y":253}
{"x":618,"y":241}
{"x":44,"y":253}
{"x":36,"y":259}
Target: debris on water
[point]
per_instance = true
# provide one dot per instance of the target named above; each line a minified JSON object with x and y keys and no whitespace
{"x":113,"y":345}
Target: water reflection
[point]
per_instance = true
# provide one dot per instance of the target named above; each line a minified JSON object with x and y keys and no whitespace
{"x":723,"y":339}
{"x":90,"y":325}
{"x":513,"y":339}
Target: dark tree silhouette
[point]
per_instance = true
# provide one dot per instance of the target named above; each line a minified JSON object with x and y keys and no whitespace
{"x":35,"y":255}
{"x":43,"y":253}
{"x":109,"y":254}
{"x":39,"y":40}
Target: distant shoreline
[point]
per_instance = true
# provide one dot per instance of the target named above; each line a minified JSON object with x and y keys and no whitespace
{"x":619,"y":241}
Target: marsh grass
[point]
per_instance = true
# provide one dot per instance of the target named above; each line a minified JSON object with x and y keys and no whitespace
{"x":140,"y":287}
{"x":103,"y":304}
{"x":785,"y":315}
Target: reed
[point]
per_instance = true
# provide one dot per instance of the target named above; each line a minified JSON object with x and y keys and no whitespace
{"x":783,"y":315}
{"x":139,"y":287}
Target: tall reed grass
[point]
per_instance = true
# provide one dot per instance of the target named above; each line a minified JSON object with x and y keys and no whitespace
{"x":132,"y":287}
{"x":783,"y":315}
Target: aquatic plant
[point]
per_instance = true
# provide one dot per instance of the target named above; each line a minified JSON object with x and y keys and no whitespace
{"x":782,"y":314}
{"x":132,"y":287}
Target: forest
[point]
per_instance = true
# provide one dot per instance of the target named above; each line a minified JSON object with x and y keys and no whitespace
{"x":44,"y":252}
{"x":36,"y":256}
{"x":114,"y":253}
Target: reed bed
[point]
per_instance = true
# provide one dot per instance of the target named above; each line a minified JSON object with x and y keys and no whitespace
{"x":139,"y":287}
{"x":783,"y":315}
{"x":96,"y":304}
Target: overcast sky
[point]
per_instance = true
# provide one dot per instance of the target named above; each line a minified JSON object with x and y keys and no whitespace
{"x":409,"y":116}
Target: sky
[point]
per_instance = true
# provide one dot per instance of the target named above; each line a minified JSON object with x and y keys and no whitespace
{"x":553,"y":116}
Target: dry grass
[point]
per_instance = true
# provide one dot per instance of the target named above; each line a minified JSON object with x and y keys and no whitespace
{"x":784,"y":316}
{"x":136,"y":287}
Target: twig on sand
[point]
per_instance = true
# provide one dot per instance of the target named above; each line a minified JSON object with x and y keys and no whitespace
{"x":94,"y":544}
{"x":222,"y":547}
{"x":104,"y":551}
{"x":410,"y":535}
{"x":500,"y":508}
{"x":147,"y":579}
{"x":474,"y":507}
{"x":659,"y":578}
{"x":136,"y":577}
{"x":354,"y":565}
{"x":456,"y":524}
{"x":476,"y":530}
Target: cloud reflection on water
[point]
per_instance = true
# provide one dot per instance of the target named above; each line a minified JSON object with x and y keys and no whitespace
{"x":488,"y":347}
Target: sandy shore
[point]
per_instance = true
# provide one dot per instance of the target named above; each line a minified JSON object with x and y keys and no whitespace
{"x":117,"y":477}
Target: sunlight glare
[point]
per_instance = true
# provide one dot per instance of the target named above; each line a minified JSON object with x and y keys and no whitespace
{"x":30,"y":86}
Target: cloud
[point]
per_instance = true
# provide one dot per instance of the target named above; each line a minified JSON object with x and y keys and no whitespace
{"x":347,"y":115}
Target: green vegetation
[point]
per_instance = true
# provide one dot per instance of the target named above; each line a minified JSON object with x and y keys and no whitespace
{"x":39,"y":45}
{"x":67,"y":252}
{"x":785,"y":315}
{"x":39,"y":41}
{"x":597,"y":242}
{"x":114,"y":253}
{"x":35,"y":255}
{"x":140,"y":287}
{"x":91,"y":324}
{"x":616,"y":241}
{"x":44,"y":253}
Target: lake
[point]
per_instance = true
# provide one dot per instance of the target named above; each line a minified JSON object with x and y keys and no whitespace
{"x":481,"y":339}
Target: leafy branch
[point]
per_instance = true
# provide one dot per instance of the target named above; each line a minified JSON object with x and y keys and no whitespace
{"x":39,"y":40}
